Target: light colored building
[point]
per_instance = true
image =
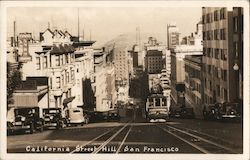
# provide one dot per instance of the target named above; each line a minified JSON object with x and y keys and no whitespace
{"x":123,"y":69}
{"x":219,"y":76}
{"x":178,"y":67}
{"x":53,"y":58}
{"x":105,"y":90}
{"x":172,"y":36}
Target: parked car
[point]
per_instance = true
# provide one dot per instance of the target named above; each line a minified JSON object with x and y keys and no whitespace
{"x":113,"y":114}
{"x":185,"y":112}
{"x":230,"y":111}
{"x":26,"y":119}
{"x":53,"y":118}
{"x":222,"y":111}
{"x":212,"y":111}
{"x":76,"y":116}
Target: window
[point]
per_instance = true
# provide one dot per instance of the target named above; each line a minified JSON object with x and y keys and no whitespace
{"x":38,"y":63}
{"x":58,"y":82}
{"x":67,"y":77}
{"x":225,"y":94}
{"x":45,"y":62}
{"x":236,"y":49}
{"x":222,"y":34}
{"x":57,"y":60}
{"x":61,"y":59}
{"x":72,"y":75}
{"x":67,"y":58}
{"x":217,"y":53}
{"x":216,"y":15}
{"x":235,"y":21}
{"x":218,"y":90}
{"x":222,"y":13}
{"x":62,"y":79}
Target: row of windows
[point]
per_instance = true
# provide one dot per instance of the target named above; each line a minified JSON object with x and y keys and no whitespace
{"x":216,"y":53}
{"x":42,"y":62}
{"x":215,"y":71}
{"x":193,"y":97}
{"x":214,"y":16}
{"x":220,"y":92}
{"x":64,"y":79}
{"x":217,"y":34}
{"x":193,"y":73}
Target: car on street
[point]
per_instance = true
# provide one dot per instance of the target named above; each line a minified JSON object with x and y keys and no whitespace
{"x":230,"y":111}
{"x":53,"y":118}
{"x":212,"y":111}
{"x":76,"y":116}
{"x":26,"y":119}
{"x":185,"y":112}
{"x":113,"y":114}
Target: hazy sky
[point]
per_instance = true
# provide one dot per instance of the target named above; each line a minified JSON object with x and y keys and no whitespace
{"x":104,"y":23}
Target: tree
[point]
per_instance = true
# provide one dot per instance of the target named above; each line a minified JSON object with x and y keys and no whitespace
{"x":13,"y":80}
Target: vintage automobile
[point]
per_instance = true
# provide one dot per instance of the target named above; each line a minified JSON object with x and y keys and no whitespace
{"x":222,"y":111}
{"x":212,"y":111}
{"x":185,"y":112}
{"x":26,"y":119}
{"x":230,"y":111}
{"x":77,"y":116}
{"x":53,"y":117}
{"x":113,"y":114}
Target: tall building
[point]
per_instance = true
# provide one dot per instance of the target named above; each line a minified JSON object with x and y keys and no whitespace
{"x":172,"y":36}
{"x":178,"y":72}
{"x":238,"y":50}
{"x":221,"y":50}
{"x":105,"y":91}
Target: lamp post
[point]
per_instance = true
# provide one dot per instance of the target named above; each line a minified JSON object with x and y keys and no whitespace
{"x":236,"y":68}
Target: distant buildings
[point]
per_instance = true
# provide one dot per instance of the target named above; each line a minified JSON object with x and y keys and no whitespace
{"x":104,"y":83}
{"x":123,"y":63}
{"x":223,"y":51}
{"x":172,"y":36}
{"x":178,"y":72}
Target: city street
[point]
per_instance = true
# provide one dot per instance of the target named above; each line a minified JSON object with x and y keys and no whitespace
{"x":133,"y":134}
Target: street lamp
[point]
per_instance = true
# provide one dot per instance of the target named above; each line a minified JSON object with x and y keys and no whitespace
{"x":236,"y":68}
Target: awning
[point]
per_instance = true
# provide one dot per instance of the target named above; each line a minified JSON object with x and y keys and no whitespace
{"x":68,"y":100}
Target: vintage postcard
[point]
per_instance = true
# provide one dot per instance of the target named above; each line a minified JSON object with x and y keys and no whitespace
{"x":125,"y":80}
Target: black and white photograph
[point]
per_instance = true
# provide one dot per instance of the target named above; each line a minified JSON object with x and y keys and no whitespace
{"x":125,"y":80}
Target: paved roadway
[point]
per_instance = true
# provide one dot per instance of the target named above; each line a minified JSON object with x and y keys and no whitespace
{"x":134,"y":135}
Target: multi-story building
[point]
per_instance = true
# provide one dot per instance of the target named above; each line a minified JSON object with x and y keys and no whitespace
{"x":122,"y":63}
{"x":52,"y":57}
{"x":178,"y":67}
{"x":105,"y":91}
{"x":172,"y":36}
{"x":84,"y":69}
{"x":220,"y":54}
{"x":193,"y":86}
{"x":238,"y":50}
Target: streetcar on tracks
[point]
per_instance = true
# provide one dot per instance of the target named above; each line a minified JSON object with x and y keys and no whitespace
{"x":157,"y":107}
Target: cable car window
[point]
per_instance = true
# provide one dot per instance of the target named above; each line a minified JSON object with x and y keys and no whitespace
{"x":157,"y":102}
{"x":164,"y":101}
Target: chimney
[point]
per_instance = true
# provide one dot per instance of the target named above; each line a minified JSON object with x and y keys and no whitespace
{"x":41,"y":38}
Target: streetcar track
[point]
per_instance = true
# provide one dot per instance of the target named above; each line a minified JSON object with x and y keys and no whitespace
{"x":174,"y":131}
{"x":110,"y":139}
{"x":93,"y":140}
{"x":124,"y":139}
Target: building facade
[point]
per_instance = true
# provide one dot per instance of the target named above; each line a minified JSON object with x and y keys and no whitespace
{"x":172,"y":36}
{"x":238,"y":50}
{"x":178,"y":73}
{"x":52,"y":57}
{"x":219,"y":76}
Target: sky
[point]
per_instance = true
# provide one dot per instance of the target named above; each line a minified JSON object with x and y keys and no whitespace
{"x":103,"y":23}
